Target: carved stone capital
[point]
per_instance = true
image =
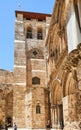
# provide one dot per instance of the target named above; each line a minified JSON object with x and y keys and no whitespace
{"x":72,"y":60}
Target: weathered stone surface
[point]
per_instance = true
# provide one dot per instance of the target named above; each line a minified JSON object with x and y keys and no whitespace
{"x":19,"y":94}
{"x":64,"y":65}
{"x":50,"y":78}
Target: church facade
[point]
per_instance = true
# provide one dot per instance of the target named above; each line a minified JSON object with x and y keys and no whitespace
{"x":46,"y":81}
{"x":64,"y":65}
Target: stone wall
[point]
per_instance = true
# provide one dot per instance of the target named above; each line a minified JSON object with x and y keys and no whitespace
{"x":36,"y":96}
{"x":27,"y":66}
{"x":6,"y":77}
{"x":63,"y":67}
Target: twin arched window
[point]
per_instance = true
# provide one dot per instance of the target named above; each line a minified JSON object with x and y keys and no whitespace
{"x":30,"y":34}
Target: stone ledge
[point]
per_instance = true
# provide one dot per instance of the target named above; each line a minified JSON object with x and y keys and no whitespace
{"x":30,"y":129}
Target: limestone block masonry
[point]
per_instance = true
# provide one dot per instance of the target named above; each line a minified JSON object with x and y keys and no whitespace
{"x":23,"y":92}
{"x":30,"y":75}
{"x":45,"y":85}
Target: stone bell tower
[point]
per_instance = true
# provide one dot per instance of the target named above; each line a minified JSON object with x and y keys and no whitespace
{"x":31,"y":108}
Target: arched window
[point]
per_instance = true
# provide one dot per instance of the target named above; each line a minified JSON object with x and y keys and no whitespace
{"x":38,"y":109}
{"x":39,"y":34}
{"x":29,"y":33}
{"x":35,"y":80}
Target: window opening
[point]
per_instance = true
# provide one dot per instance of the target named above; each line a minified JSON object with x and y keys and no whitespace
{"x":35,"y":53}
{"x":35,"y":80}
{"x":40,"y":20}
{"x":29,"y":33}
{"x":28,"y":18}
{"x":39,"y":34}
{"x":38,"y":109}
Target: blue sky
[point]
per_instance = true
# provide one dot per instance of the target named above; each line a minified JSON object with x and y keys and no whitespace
{"x":7,"y":18}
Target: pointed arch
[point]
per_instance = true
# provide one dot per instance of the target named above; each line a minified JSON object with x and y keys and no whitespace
{"x":57,"y":93}
{"x":69,"y":83}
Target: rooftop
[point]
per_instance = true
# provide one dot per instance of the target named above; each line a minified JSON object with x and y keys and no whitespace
{"x":33,"y":15}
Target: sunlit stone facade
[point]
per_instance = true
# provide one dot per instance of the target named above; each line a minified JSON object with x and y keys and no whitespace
{"x":46,"y":81}
{"x":64,"y":65}
{"x":24,"y":92}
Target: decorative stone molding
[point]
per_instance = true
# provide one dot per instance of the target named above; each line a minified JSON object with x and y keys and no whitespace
{"x":35,"y":53}
{"x":72,"y":126}
{"x":72,"y":59}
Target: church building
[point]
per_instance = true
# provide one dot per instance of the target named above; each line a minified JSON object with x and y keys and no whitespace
{"x":64,"y":65}
{"x":46,"y":81}
{"x":23,"y":92}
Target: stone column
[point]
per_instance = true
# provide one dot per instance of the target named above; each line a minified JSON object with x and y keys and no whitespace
{"x":53,"y":116}
{"x":70,"y":113}
{"x":58,"y":108}
{"x":56,"y":117}
{"x":78,"y":93}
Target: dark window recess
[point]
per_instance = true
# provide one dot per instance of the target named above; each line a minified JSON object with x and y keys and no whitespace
{"x":29,"y":34}
{"x":39,"y":35}
{"x":28,"y":18}
{"x":35,"y":80}
{"x":40,"y":20}
{"x":35,"y":53}
{"x":38,"y":109}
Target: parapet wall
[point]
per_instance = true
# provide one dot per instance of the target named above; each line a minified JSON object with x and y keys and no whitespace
{"x":6,"y":76}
